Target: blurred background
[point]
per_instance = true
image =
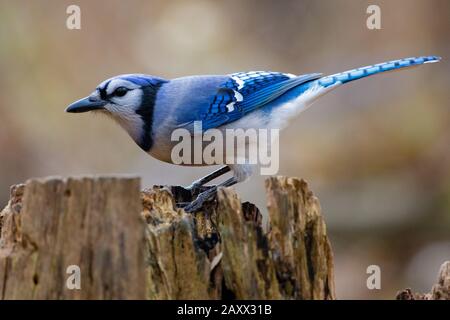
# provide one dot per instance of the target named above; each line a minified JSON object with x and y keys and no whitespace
{"x":376,"y":152}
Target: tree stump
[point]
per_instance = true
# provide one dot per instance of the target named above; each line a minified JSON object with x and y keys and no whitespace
{"x":222,"y":252}
{"x":136,"y":245}
{"x":439,"y":291}
{"x":92,"y":223}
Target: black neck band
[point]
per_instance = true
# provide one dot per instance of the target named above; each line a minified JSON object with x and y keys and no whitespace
{"x":146,"y":112}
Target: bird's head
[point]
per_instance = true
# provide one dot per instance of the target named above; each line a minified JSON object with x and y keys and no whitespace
{"x":129,"y":99}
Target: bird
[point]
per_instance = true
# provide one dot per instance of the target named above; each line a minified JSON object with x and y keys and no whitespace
{"x":151,"y":108}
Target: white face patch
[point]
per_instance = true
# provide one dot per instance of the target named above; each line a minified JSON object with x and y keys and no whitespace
{"x":123,"y":108}
{"x":121,"y":105}
{"x":128,"y":119}
{"x":131,"y":100}
{"x":112,"y":85}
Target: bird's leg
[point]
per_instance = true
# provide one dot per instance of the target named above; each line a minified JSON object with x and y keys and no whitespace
{"x":207,"y":195}
{"x":213,"y":175}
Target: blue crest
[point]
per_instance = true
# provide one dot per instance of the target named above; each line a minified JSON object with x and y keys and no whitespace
{"x":143,"y":80}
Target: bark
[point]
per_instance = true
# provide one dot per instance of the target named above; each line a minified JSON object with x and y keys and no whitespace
{"x":51,"y":224}
{"x":136,"y":245}
{"x":223,"y":252}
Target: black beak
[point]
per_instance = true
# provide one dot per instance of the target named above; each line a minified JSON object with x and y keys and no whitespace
{"x":85,"y":105}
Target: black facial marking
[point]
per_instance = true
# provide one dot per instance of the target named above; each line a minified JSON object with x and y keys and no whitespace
{"x":146,"y":112}
{"x":102,"y":91}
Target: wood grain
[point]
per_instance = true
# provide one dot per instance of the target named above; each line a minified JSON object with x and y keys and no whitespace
{"x":139,"y":245}
{"x":53,"y":223}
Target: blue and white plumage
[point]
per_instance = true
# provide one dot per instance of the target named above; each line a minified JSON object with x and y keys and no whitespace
{"x":151,"y":108}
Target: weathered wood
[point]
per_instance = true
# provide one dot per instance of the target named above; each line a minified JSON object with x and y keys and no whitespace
{"x":224,"y":253}
{"x":298,"y":239}
{"x":439,"y":291}
{"x":176,"y":268}
{"x":94,"y":223}
{"x":131,"y":247}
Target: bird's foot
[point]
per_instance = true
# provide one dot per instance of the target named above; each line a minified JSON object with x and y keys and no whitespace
{"x":200,"y":200}
{"x":194,"y":187}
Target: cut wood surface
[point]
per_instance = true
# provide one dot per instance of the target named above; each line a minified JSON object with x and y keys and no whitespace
{"x":135,"y":245}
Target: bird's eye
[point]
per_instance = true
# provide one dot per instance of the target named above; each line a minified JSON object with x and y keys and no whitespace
{"x":120,"y":91}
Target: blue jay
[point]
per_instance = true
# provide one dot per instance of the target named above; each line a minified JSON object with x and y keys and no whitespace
{"x":151,"y":108}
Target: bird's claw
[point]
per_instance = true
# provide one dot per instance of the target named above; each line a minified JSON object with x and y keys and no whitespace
{"x":194,"y":188}
{"x":199,"y":201}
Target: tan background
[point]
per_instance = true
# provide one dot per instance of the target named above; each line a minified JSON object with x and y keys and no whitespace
{"x":376,"y":152}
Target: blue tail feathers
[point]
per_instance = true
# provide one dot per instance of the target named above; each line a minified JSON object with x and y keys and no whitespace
{"x":350,"y":75}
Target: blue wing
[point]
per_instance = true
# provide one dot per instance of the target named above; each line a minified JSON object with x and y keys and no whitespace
{"x":245,"y":92}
